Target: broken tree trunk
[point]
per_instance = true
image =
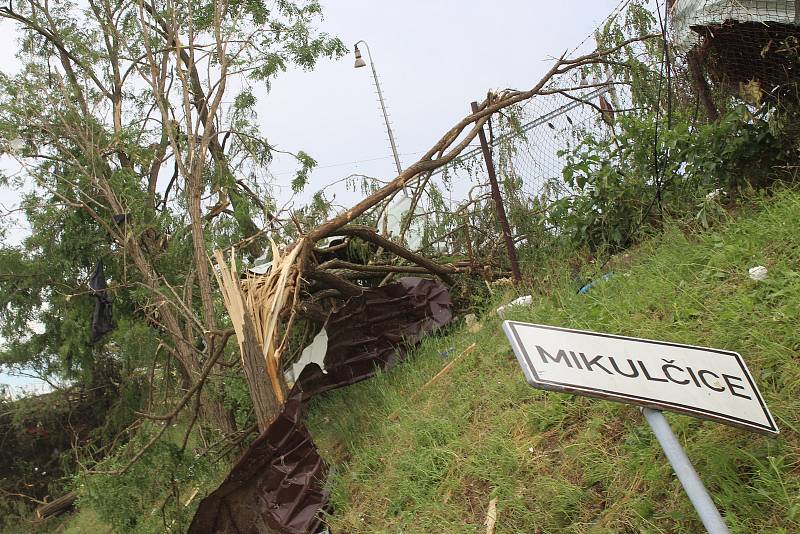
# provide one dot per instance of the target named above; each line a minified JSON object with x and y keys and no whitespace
{"x":267,"y":395}
{"x":58,"y":506}
{"x":288,"y":289}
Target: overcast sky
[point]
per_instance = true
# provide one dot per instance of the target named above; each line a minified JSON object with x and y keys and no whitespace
{"x":433,"y":57}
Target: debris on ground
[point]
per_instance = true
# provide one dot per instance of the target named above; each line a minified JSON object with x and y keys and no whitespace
{"x":585,"y":289}
{"x":527,"y":300}
{"x":491,"y":516}
{"x":473,"y":326}
{"x":758,"y":273}
{"x":447,"y":352}
{"x":279,"y":483}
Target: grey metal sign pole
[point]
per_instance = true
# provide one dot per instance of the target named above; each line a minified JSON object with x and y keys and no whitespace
{"x":699,"y":381}
{"x":692,"y":484}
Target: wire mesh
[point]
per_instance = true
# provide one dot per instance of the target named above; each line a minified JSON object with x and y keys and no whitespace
{"x":529,"y":144}
{"x":746,"y":47}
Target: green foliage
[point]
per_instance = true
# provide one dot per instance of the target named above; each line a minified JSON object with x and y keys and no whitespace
{"x":43,"y":279}
{"x":621,"y":190}
{"x":429,"y":458}
{"x":742,"y":150}
{"x":659,"y":160}
{"x":43,"y":434}
{"x":307,"y":163}
{"x":96,"y":137}
{"x":151,"y":496}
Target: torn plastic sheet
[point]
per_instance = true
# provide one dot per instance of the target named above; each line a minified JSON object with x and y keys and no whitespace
{"x":588,"y":287}
{"x":278,"y":485}
{"x":526,"y":300}
{"x":395,"y":214}
{"x":313,"y":353}
{"x":102,"y":319}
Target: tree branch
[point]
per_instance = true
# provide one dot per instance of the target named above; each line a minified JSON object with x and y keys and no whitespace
{"x":368,"y":234}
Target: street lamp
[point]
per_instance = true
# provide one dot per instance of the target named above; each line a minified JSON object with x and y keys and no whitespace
{"x":361,"y":63}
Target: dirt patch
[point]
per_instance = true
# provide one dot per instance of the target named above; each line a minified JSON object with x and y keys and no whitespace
{"x":475,"y":495}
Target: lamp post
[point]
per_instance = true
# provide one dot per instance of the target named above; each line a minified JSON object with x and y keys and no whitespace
{"x":360,"y":63}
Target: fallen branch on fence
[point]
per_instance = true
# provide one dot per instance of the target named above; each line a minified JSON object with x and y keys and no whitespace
{"x":295,"y":273}
{"x":368,"y":234}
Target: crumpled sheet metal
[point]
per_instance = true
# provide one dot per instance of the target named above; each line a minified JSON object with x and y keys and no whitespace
{"x":278,"y":484}
{"x":371,"y":332}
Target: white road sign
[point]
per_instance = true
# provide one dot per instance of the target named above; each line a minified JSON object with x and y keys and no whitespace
{"x":707,"y":383}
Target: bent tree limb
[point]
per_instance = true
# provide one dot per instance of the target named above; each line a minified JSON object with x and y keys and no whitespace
{"x":376,"y":269}
{"x":368,"y":234}
{"x":301,"y":264}
{"x":330,"y":280}
{"x":455,"y":140}
{"x":296,"y":264}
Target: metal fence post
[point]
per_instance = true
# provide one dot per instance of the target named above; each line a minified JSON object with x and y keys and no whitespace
{"x":498,"y":202}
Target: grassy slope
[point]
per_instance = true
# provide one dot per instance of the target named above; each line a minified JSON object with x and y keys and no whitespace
{"x":429,"y":460}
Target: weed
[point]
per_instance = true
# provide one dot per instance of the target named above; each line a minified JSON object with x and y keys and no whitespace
{"x":414,"y":459}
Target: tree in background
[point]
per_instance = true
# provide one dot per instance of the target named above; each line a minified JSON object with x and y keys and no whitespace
{"x":133,"y":124}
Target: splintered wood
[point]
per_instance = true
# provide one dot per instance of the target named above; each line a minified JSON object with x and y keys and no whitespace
{"x":491,"y":517}
{"x":254,"y":305}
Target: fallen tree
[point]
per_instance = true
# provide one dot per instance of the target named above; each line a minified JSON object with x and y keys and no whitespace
{"x":299,"y":279}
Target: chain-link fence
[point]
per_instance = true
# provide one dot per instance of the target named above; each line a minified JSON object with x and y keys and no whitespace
{"x":747,"y":48}
{"x":529,"y":146}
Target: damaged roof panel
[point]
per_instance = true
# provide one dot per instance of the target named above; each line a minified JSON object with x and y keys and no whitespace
{"x":279,"y":483}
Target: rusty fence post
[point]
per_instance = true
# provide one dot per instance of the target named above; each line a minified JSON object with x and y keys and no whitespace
{"x":498,"y":203}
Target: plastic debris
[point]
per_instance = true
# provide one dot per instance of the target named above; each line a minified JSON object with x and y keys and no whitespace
{"x":585,"y":289}
{"x":446,"y":353}
{"x":102,"y":319}
{"x":758,"y":273}
{"x":278,"y":485}
{"x":313,"y":353}
{"x":261,"y":265}
{"x":395,"y":214}
{"x":527,"y":300}
{"x":473,"y":326}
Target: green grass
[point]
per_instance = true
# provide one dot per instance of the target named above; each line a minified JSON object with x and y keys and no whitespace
{"x":83,"y":521}
{"x":151,"y":497}
{"x":412,"y":459}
